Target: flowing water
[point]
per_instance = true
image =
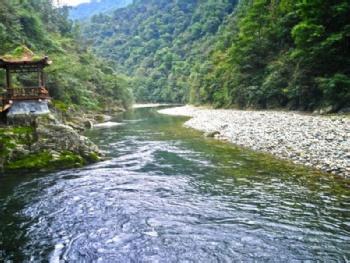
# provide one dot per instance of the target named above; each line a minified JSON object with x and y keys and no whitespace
{"x":169,"y":195}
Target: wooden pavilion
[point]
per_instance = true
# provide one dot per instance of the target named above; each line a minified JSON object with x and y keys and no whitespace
{"x":25,"y":63}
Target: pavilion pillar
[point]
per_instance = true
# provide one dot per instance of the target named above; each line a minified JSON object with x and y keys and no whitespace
{"x":41,"y":78}
{"x":8,"y":78}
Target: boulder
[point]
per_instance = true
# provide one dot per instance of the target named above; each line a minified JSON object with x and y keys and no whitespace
{"x":326,"y":110}
{"x":211,"y":134}
{"x":88,"y":124}
{"x":46,"y":144}
{"x":102,"y":118}
{"x":60,"y":137}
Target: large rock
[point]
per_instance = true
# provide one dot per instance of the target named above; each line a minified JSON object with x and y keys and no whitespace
{"x":327,"y":110}
{"x":45,"y":144}
{"x":52,"y":135}
{"x":212,"y":134}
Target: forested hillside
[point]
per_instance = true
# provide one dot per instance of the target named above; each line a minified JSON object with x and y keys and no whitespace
{"x":158,"y":42}
{"x":280,"y":53}
{"x":264,"y":53}
{"x":76,"y":76}
{"x":86,"y":10}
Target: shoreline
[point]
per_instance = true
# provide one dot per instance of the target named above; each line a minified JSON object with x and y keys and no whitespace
{"x":149,"y":105}
{"x":320,"y":142}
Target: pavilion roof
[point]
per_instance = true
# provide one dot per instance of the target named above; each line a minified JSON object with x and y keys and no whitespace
{"x":23,"y":56}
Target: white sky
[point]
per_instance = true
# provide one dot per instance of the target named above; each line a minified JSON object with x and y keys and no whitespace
{"x":71,"y":2}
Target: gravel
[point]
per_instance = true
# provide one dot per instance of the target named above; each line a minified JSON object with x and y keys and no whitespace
{"x":322,"y":142}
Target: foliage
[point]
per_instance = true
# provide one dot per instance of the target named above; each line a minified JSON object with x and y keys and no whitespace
{"x":263,"y":54}
{"x":13,"y":139}
{"x":46,"y":161}
{"x":158,"y":42}
{"x":19,"y":53}
{"x":9,"y":137}
{"x":76,"y":77}
{"x":283,"y":53}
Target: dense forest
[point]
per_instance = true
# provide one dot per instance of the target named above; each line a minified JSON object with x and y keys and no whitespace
{"x":282,"y":53}
{"x":262,"y":53}
{"x":158,"y":42}
{"x":228,"y":53}
{"x":76,"y":77}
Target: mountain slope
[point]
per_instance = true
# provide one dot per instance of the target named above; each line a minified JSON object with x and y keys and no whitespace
{"x":287,"y":53}
{"x":261,"y":54}
{"x":76,"y":78}
{"x":86,"y":10}
{"x":157,"y":42}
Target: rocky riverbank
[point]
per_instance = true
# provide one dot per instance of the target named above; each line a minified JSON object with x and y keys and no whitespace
{"x":322,"y":142}
{"x":44,"y":143}
{"x":52,"y":140}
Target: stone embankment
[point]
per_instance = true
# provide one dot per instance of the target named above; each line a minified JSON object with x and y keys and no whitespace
{"x":322,"y":142}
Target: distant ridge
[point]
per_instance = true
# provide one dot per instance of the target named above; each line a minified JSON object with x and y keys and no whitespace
{"x":86,"y":10}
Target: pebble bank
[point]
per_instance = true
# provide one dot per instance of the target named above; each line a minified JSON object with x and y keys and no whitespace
{"x":322,"y":142}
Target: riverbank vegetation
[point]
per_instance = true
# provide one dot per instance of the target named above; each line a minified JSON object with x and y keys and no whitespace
{"x":77,"y":78}
{"x":78,"y":81}
{"x":227,"y":53}
{"x":158,"y":42}
{"x":262,"y":54}
{"x":282,"y":53}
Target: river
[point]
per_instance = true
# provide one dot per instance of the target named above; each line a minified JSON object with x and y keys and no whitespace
{"x":167,"y":194}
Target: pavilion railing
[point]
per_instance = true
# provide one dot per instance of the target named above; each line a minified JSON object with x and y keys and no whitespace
{"x":27,"y":93}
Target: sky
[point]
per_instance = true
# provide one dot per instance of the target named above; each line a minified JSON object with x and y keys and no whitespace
{"x":72,"y":2}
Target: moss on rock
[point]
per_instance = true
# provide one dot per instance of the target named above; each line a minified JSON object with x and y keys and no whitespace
{"x":47,"y":145}
{"x":93,"y":157}
{"x":47,"y":161}
{"x":37,"y":161}
{"x":10,"y":137}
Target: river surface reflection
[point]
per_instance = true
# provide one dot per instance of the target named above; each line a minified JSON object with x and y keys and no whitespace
{"x":169,"y":195}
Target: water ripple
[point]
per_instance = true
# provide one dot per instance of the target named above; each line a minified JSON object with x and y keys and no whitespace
{"x":165,"y":200}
